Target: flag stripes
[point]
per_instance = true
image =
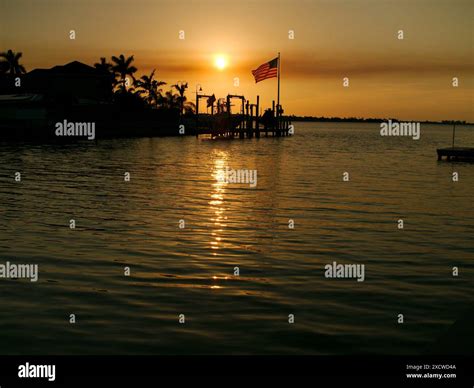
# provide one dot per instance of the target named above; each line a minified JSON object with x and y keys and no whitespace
{"x":267,"y":70}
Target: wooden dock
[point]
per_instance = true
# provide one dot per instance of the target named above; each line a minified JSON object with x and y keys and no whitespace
{"x":456,"y":153}
{"x":221,"y":122}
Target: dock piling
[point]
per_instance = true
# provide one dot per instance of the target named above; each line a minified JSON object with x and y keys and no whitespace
{"x":245,"y":123}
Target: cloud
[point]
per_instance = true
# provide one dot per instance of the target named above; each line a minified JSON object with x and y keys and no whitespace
{"x":303,"y":66}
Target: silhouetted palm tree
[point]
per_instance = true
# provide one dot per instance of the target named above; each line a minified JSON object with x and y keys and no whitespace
{"x":103,"y":65}
{"x":105,"y":68}
{"x":189,"y":107}
{"x":122,"y":69}
{"x":181,"y":88}
{"x":12,"y":65}
{"x":170,"y":100}
{"x":178,"y":101}
{"x":151,"y":87}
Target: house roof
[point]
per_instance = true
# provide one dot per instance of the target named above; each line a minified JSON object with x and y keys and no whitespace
{"x":74,"y":67}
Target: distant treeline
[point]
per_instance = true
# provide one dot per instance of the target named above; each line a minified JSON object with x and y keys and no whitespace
{"x":370,"y":120}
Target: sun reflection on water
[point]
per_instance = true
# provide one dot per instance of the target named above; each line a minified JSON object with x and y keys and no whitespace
{"x":217,"y":200}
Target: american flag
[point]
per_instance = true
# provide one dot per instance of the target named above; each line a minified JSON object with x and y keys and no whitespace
{"x":267,"y":70}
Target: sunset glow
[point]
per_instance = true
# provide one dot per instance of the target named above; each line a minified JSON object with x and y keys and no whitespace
{"x":220,"y":62}
{"x":320,"y":44}
{"x":211,"y":188}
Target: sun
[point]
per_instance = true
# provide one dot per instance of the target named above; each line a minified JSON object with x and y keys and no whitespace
{"x":220,"y":62}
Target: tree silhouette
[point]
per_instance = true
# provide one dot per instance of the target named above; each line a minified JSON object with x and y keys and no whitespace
{"x":11,"y":64}
{"x":122,"y":69}
{"x":150,"y":87}
{"x":189,"y":107}
{"x":170,"y":100}
{"x":103,"y":66}
{"x":181,"y":88}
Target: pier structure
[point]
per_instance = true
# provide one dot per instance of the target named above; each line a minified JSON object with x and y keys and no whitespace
{"x":455,"y":153}
{"x":244,"y":123}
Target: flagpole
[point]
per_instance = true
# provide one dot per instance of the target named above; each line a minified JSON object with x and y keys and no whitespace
{"x":278,"y":96}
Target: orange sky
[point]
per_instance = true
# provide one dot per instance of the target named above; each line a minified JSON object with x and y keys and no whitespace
{"x":408,"y":79}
